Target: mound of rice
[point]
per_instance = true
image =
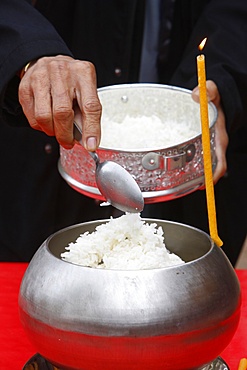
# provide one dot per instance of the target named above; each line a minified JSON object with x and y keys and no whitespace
{"x":145,"y":132}
{"x":123,"y":243}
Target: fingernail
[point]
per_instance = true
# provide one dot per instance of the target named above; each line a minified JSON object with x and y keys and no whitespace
{"x":91,"y":143}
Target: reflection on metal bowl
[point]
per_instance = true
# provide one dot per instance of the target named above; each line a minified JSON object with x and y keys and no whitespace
{"x":179,"y":317}
{"x":163,"y":173}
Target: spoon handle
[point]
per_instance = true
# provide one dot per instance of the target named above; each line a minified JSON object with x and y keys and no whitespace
{"x":78,"y":136}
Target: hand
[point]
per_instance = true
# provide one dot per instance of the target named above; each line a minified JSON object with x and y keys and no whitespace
{"x":49,"y":92}
{"x":221,"y":136}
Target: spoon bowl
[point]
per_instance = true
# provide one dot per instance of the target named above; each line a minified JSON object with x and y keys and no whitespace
{"x":115,"y":183}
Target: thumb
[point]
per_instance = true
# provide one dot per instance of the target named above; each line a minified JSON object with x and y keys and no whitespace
{"x":196,"y":94}
{"x":213,"y":92}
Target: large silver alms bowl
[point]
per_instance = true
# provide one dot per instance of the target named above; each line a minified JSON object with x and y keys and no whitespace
{"x":173,"y":318}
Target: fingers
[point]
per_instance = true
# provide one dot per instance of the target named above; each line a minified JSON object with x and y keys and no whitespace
{"x":90,"y":107}
{"x":35,"y":98}
{"x":221,"y":143}
{"x":195,"y":94}
{"x":47,"y":93}
{"x":212,"y":93}
{"x":62,"y":94}
{"x":221,"y":136}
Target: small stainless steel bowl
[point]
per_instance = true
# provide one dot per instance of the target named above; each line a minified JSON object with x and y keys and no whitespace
{"x":163,"y":173}
{"x":180,"y":317}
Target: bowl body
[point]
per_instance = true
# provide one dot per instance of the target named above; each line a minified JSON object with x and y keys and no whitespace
{"x":177,"y":317}
{"x":163,"y":173}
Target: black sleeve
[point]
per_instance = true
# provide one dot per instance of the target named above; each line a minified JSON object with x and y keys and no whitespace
{"x":25,"y":35}
{"x":224,"y":23}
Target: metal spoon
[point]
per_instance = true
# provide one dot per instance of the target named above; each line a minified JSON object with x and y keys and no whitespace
{"x":115,"y":183}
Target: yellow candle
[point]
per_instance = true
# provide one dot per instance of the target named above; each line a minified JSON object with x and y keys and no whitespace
{"x":242,"y":364}
{"x":208,"y":173}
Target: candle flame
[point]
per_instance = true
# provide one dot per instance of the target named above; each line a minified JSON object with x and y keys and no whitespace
{"x":202,"y":44}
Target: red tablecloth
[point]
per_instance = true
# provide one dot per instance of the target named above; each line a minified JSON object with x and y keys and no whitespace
{"x":15,"y":349}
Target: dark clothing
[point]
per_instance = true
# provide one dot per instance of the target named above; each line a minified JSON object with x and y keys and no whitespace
{"x":109,"y":33}
{"x":36,"y":200}
{"x":110,"y":36}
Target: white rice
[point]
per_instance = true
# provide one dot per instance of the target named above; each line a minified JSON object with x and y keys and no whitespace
{"x":145,"y":132}
{"x":123,"y":243}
